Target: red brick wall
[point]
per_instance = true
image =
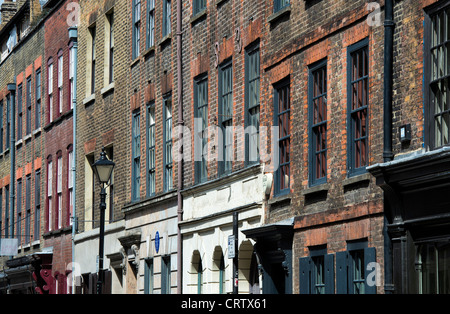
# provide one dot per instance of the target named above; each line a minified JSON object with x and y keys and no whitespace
{"x":59,"y":138}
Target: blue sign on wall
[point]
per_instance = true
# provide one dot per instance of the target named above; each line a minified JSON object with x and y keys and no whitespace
{"x":157,"y":242}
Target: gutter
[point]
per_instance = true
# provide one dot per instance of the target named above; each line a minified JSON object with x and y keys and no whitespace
{"x":12,"y":104}
{"x":180,"y":124}
{"x":389,"y":26}
{"x":73,"y":36}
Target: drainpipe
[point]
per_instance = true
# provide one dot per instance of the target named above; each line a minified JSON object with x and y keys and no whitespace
{"x":388,"y":155}
{"x":12,"y":148}
{"x":73,"y":36}
{"x":389,"y":26}
{"x":180,"y":124}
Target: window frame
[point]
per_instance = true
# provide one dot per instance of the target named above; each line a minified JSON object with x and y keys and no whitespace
{"x":28,"y":104}
{"x":308,"y":272}
{"x":1,"y":125}
{"x":201,"y":166}
{"x":250,"y":52}
{"x":136,"y":156}
{"x":50,"y":90}
{"x":198,"y":6}
{"x":38,"y":95}
{"x":37,"y":204}
{"x":149,"y":275}
{"x":225,"y":163}
{"x":27,"y":208}
{"x":93,"y":52}
{"x":19,"y":111}
{"x":151,"y":149}
{"x":362,"y":46}
{"x":111,"y":21}
{"x":430,"y":115}
{"x":136,"y":50}
{"x":150,"y":40}
{"x":281,"y":187}
{"x":167,"y":18}
{"x":165,"y":274}
{"x":60,"y":75}
{"x":278,"y":5}
{"x":167,"y":143}
{"x":19,"y":194}
{"x":313,"y":153}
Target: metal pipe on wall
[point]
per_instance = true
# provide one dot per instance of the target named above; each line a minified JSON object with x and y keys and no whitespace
{"x":12,"y":148}
{"x":180,"y":124}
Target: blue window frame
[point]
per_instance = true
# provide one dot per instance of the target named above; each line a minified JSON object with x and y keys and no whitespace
{"x":37,"y":204}
{"x":8,"y":122}
{"x":318,"y":123}
{"x":1,"y":126}
{"x":27,"y":208}
{"x":199,"y":6}
{"x":282,"y":111}
{"x":351,"y":267}
{"x":168,"y":162}
{"x":148,"y":276}
{"x":358,"y":101}
{"x":19,"y":111}
{"x":279,"y":4}
{"x":151,"y":150}
{"x":18,"y":233}
{"x":316,"y":272}
{"x":252,"y":104}
{"x":150,"y":24}
{"x":136,"y":28}
{"x":28,"y":103}
{"x":165,"y":275}
{"x":37,"y":121}
{"x":226,"y":117}
{"x":201,"y":116}
{"x":167,"y":17}
{"x":136,"y":155}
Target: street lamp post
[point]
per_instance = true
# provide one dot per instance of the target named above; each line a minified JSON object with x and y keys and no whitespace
{"x":103,"y":169}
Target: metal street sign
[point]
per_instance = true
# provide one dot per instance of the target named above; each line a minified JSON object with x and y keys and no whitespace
{"x":9,"y":247}
{"x":231,"y":247}
{"x":157,"y":242}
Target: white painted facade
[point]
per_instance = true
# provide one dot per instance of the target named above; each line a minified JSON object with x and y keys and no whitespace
{"x":207,"y":223}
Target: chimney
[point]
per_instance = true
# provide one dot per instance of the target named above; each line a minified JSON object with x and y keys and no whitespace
{"x":35,"y":10}
{"x":7,"y":11}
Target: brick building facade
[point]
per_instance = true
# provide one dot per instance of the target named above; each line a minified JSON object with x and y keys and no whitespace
{"x":23,"y":146}
{"x":102,"y":122}
{"x":333,"y":179}
{"x":58,"y":64}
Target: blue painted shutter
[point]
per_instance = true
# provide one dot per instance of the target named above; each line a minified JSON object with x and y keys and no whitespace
{"x":329,"y":273}
{"x":341,"y":272}
{"x":305,"y":275}
{"x":369,"y":257}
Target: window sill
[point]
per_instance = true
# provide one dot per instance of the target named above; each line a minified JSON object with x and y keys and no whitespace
{"x":279,"y":14}
{"x":166,"y":39}
{"x":197,"y":17}
{"x":27,"y":138}
{"x":280,"y":199}
{"x":361,"y":178}
{"x":107,"y":89}
{"x":19,"y":142}
{"x":321,"y":188}
{"x":149,"y":51}
{"x":219,"y":2}
{"x":135,"y":61}
{"x":89,"y":99}
{"x":37,"y":131}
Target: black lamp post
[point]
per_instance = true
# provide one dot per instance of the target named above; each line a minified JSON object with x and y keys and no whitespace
{"x":103,"y":169}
